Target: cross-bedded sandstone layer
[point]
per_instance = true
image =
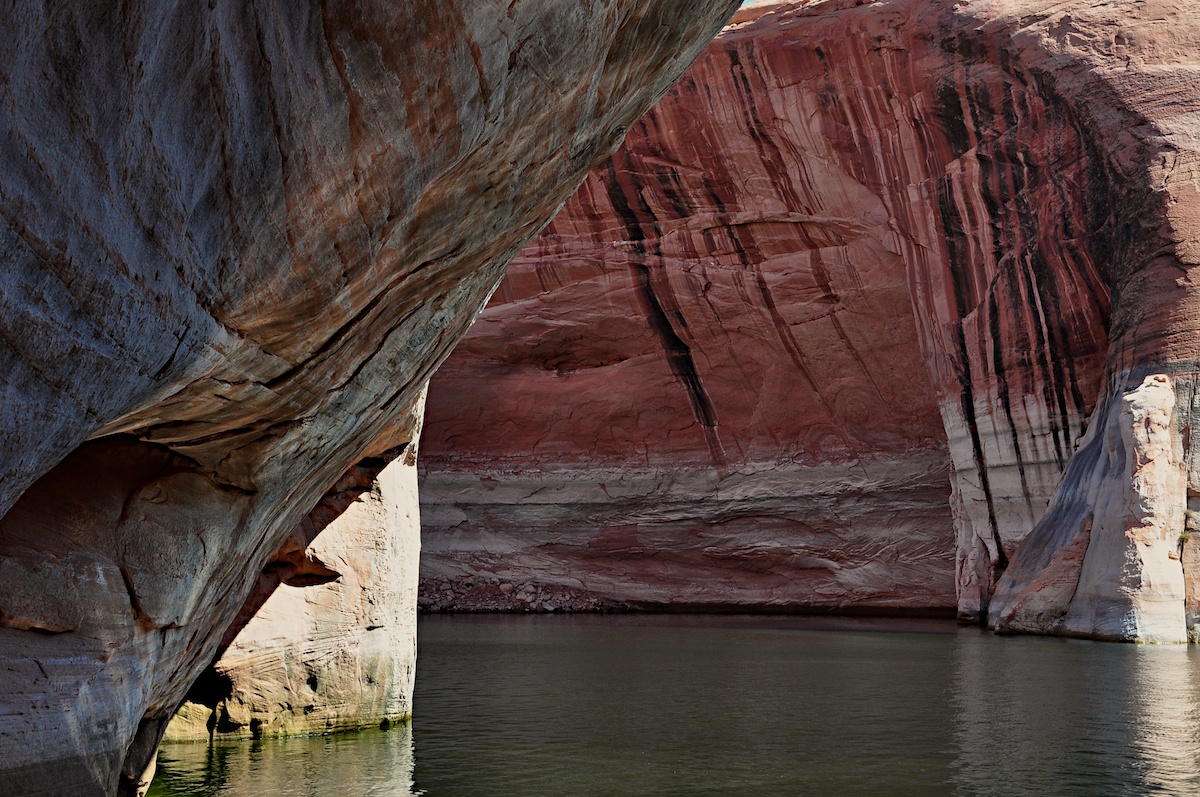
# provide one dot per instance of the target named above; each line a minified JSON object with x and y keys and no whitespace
{"x":235,"y":240}
{"x":1017,"y":177}
{"x":331,"y":639}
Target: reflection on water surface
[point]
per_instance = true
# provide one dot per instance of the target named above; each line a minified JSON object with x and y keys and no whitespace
{"x":374,"y":763}
{"x":526,"y":706}
{"x":1075,"y":717}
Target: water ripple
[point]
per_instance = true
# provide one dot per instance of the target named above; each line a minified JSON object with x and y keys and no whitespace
{"x":748,"y":707}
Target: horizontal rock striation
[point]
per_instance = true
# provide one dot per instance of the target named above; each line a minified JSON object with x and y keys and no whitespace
{"x":236,"y":238}
{"x":850,"y":537}
{"x":1014,"y":178}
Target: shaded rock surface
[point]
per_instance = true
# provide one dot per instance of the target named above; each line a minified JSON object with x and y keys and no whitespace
{"x":236,"y":238}
{"x":1028,"y":168}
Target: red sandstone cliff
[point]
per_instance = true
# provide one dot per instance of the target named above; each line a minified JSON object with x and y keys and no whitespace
{"x":702,"y":384}
{"x":235,"y":240}
{"x":844,"y":214}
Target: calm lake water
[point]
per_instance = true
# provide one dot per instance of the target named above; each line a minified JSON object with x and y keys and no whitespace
{"x":606,"y":706}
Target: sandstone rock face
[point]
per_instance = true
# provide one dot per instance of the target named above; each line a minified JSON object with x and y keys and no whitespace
{"x":334,"y":644}
{"x":634,"y":424}
{"x":1030,"y":167}
{"x":1129,"y":73}
{"x":1116,"y":573}
{"x":237,"y":239}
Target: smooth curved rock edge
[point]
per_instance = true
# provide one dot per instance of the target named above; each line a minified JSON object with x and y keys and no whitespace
{"x":236,"y":238}
{"x":1032,"y":164}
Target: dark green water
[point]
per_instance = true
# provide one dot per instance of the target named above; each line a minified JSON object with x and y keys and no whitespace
{"x":609,"y":706}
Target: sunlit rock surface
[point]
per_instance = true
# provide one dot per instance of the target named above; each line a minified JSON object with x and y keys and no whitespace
{"x":236,"y":240}
{"x":1117,"y":573}
{"x":333,"y":646}
{"x":1017,"y":177}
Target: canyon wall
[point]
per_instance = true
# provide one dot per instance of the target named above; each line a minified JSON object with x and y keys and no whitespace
{"x":702,"y":384}
{"x":843,"y":214}
{"x":236,"y":240}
